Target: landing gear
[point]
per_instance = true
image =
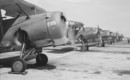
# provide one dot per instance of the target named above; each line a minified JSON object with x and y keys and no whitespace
{"x":41,"y":59}
{"x":87,"y":48}
{"x":18,"y":65}
{"x":84,"y":48}
{"x":103,"y":44}
{"x":110,"y":42}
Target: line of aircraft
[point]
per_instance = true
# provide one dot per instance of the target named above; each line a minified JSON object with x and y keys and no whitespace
{"x":93,"y":36}
{"x":31,"y":28}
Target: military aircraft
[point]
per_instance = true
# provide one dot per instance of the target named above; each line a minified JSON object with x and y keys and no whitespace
{"x":116,"y":37}
{"x":90,"y":37}
{"x":74,"y":28}
{"x":121,"y":36}
{"x":30,"y":29}
{"x":106,"y":36}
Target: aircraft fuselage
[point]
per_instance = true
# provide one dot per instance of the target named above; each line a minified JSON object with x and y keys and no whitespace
{"x":40,"y":28}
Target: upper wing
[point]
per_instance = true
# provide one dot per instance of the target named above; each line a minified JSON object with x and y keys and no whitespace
{"x":12,"y":9}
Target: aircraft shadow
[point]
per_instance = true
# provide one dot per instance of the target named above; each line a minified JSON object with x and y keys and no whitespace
{"x":118,"y":52}
{"x":61,"y":51}
{"x":47,"y":67}
{"x":6,"y":62}
{"x":118,"y":46}
{"x":122,"y":72}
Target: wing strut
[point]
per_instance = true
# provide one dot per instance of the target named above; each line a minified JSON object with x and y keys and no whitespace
{"x":23,"y":10}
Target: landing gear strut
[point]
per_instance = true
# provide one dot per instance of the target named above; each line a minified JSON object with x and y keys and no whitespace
{"x":19,"y":64}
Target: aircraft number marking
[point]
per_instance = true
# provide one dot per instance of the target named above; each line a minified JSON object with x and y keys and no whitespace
{"x":51,"y":23}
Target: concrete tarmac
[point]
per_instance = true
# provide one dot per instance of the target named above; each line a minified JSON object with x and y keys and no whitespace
{"x":100,"y":63}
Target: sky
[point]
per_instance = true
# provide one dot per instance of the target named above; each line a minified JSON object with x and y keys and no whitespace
{"x":111,"y":15}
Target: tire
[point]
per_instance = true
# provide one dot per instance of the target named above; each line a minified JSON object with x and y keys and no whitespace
{"x":18,"y":65}
{"x":84,"y":48}
{"x":102,"y":44}
{"x":87,"y":48}
{"x":110,"y":42}
{"x":41,"y":59}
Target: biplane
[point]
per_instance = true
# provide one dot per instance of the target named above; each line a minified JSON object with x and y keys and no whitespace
{"x":119,"y":37}
{"x":90,"y":36}
{"x":116,"y":37}
{"x":74,"y":28}
{"x":29,"y":29}
{"x":107,"y":36}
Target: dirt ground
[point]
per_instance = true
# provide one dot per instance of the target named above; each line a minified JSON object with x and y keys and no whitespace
{"x":100,"y":63}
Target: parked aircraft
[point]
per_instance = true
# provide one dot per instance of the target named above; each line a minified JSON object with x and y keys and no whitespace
{"x":113,"y":36}
{"x":90,"y":37}
{"x":74,"y":28}
{"x":119,"y":36}
{"x":29,"y":29}
{"x":116,"y":36}
{"x":106,"y":36}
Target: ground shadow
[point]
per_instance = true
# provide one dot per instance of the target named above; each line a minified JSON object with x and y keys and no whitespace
{"x":122,"y":72}
{"x":106,"y":51}
{"x":119,"y":52}
{"x":6,"y":62}
{"x":47,"y":67}
{"x":118,"y":46}
{"x":62,"y":50}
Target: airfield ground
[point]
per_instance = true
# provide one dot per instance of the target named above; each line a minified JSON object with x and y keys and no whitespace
{"x":100,"y":63}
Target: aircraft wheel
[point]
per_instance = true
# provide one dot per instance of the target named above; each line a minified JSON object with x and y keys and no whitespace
{"x":41,"y":59}
{"x":87,"y":47}
{"x":18,"y":65}
{"x":110,"y":42}
{"x":103,"y":44}
{"x":84,"y":48}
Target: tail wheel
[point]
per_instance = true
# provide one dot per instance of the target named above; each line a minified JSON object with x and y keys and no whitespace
{"x":18,"y":65}
{"x":41,"y":59}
